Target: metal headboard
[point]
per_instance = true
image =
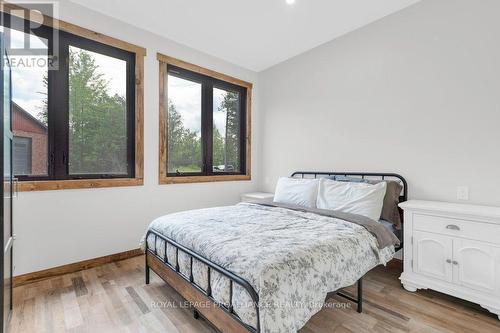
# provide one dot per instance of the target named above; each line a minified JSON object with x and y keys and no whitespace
{"x":363,"y":175}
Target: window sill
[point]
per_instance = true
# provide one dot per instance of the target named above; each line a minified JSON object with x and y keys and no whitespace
{"x":51,"y":185}
{"x":203,"y":179}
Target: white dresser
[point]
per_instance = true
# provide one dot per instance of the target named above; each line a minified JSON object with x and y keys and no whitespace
{"x":453,"y":249}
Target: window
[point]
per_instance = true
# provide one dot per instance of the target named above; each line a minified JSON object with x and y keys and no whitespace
{"x":184,"y":126}
{"x":22,"y":156}
{"x":79,"y":122}
{"x":100,"y":142}
{"x":205,"y":132}
{"x":29,"y":106}
{"x":226,"y":130}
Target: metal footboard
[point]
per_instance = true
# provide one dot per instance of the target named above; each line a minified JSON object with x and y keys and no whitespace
{"x":210,"y":266}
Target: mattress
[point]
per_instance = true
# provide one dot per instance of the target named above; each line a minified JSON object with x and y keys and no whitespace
{"x":291,"y":258}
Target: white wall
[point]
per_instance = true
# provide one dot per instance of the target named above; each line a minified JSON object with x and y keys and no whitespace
{"x":416,"y":93}
{"x":59,"y":227}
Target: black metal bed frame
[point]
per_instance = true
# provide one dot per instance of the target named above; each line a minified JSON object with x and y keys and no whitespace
{"x":210,"y":266}
{"x":228,"y":308}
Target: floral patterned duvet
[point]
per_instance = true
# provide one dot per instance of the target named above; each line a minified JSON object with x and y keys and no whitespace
{"x":291,"y":258}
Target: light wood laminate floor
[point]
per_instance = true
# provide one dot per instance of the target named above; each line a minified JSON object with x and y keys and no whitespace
{"x":114,"y":298}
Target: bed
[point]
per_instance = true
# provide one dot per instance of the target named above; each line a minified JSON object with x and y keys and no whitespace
{"x":256,"y":267}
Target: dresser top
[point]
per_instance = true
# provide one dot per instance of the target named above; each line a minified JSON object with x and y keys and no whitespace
{"x":448,"y":207}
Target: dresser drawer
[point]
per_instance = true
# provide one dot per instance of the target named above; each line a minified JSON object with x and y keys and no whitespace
{"x":486,"y":232}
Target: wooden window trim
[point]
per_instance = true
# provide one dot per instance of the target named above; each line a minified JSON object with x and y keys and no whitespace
{"x":164,"y":61}
{"x":140,"y":53}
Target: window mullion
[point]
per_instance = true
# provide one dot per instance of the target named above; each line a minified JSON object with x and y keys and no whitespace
{"x":207,"y":127}
{"x":50,"y":112}
{"x":60,"y":111}
{"x":243,"y":130}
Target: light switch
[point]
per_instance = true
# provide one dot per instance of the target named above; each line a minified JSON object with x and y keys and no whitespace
{"x":462,"y":193}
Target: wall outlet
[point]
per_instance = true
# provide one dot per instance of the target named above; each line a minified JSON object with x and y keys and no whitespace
{"x":463,"y":193}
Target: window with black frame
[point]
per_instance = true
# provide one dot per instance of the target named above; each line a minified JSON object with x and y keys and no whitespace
{"x":78,"y":118}
{"x":206,"y":125}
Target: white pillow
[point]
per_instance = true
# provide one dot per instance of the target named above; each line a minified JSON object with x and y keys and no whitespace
{"x":302,"y":192}
{"x":356,"y":198}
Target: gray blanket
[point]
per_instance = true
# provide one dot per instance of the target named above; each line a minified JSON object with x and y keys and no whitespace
{"x":384,"y":237}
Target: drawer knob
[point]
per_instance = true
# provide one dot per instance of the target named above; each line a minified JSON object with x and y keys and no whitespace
{"x":448,"y":261}
{"x":452,"y":227}
{"x":455,"y":262}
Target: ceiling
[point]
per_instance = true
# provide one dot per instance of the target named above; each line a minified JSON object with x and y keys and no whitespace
{"x":255,"y":34}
